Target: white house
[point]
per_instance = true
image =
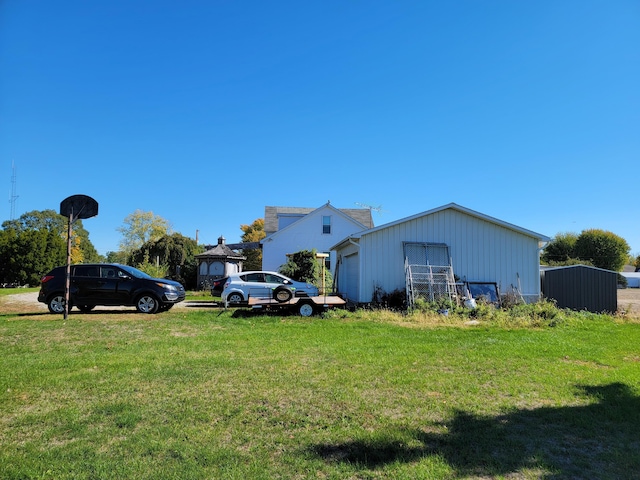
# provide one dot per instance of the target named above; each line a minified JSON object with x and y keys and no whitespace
{"x":291,"y":229}
{"x":480,"y":249}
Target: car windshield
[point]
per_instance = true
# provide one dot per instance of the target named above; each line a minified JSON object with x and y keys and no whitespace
{"x":134,"y":271}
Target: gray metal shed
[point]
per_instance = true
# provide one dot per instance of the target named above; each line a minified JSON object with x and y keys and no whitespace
{"x":581,"y":287}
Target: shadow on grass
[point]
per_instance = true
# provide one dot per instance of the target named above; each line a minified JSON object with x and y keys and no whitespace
{"x":25,"y":314}
{"x":203,"y":305}
{"x":599,"y":440}
{"x":73,"y":313}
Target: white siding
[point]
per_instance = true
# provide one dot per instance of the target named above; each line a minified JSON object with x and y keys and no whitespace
{"x":481,"y":251}
{"x":633,"y":279}
{"x":306,"y":234}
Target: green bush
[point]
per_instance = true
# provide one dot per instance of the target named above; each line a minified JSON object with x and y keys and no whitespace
{"x":396,"y":300}
{"x":304,"y":266}
{"x":622,"y":281}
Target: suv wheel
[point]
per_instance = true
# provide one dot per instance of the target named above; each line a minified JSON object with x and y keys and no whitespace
{"x":56,"y":304}
{"x":147,"y":304}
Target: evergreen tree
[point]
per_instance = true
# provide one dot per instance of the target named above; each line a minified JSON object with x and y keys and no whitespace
{"x":253,"y":233}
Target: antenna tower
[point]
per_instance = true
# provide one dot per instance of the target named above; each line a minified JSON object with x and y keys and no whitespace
{"x":12,"y":199}
{"x":370,"y":207}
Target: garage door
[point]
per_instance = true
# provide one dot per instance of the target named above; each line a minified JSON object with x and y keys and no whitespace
{"x":350,"y":285}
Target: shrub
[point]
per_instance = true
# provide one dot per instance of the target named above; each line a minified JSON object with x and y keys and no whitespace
{"x":303,"y":266}
{"x":622,"y":281}
{"x":396,"y":300}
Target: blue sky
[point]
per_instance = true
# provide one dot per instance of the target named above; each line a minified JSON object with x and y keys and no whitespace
{"x":204,"y":112}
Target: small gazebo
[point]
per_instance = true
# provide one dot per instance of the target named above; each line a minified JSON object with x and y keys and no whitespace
{"x":217,"y":262}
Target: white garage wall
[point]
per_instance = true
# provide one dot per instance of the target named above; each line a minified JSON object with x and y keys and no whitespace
{"x":481,"y":250}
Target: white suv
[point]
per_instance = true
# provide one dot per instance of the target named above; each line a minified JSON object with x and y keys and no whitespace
{"x":240,"y":286}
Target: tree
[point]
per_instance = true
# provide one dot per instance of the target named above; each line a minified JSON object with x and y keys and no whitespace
{"x":304,"y":266}
{"x":602,"y":248}
{"x":253,"y":233}
{"x":36,"y":242}
{"x":27,"y":255}
{"x":560,"y":250}
{"x":82,"y":250}
{"x":116,"y":257}
{"x":170,"y":255}
{"x":141,"y":227}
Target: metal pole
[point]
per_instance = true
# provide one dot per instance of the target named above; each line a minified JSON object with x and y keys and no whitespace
{"x":68,"y":275}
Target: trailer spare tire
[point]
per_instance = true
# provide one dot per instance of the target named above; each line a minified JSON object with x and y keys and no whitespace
{"x":282,"y":294}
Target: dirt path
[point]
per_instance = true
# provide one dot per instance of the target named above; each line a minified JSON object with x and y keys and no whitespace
{"x":20,"y":301}
{"x":629,"y":299}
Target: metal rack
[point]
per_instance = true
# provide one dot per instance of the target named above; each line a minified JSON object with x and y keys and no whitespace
{"x":430,"y":282}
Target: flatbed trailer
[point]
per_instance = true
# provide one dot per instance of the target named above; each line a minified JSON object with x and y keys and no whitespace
{"x":303,"y":306}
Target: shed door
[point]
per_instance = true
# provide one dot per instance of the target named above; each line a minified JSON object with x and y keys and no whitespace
{"x":351,"y":283}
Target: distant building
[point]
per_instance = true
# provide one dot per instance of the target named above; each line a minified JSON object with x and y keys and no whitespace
{"x":217,"y":262}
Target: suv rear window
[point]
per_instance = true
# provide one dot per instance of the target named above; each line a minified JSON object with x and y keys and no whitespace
{"x":86,"y":271}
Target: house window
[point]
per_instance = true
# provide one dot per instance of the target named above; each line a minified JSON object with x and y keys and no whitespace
{"x":326,"y":225}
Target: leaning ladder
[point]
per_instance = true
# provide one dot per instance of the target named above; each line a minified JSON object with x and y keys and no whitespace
{"x":431,"y":282}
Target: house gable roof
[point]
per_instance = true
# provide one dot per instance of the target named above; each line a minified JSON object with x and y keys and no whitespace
{"x":317,"y":211}
{"x":452,"y":206}
{"x":360,"y":215}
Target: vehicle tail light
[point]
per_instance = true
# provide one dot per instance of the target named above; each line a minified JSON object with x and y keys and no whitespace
{"x":46,"y":278}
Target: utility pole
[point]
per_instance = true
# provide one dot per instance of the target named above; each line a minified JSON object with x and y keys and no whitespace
{"x":14,"y":196}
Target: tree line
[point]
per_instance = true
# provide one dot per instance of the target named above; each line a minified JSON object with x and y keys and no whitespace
{"x":35,"y":243}
{"x":599,"y":248}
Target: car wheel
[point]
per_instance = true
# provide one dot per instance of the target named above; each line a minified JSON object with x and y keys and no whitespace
{"x":282,"y":294}
{"x":147,"y":304}
{"x":56,"y":304}
{"x":86,"y":308}
{"x":305,"y":309}
{"x":235,"y":297}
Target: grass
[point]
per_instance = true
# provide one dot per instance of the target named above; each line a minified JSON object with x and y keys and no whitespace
{"x":226,"y":394}
{"x":12,"y":291}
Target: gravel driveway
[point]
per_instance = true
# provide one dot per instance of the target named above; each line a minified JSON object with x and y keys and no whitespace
{"x":628,"y":299}
{"x":32,"y":299}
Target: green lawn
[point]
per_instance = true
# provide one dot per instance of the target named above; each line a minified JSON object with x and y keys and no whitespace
{"x":211,"y":394}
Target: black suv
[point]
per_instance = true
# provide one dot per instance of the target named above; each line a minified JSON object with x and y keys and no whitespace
{"x":109,"y":284}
